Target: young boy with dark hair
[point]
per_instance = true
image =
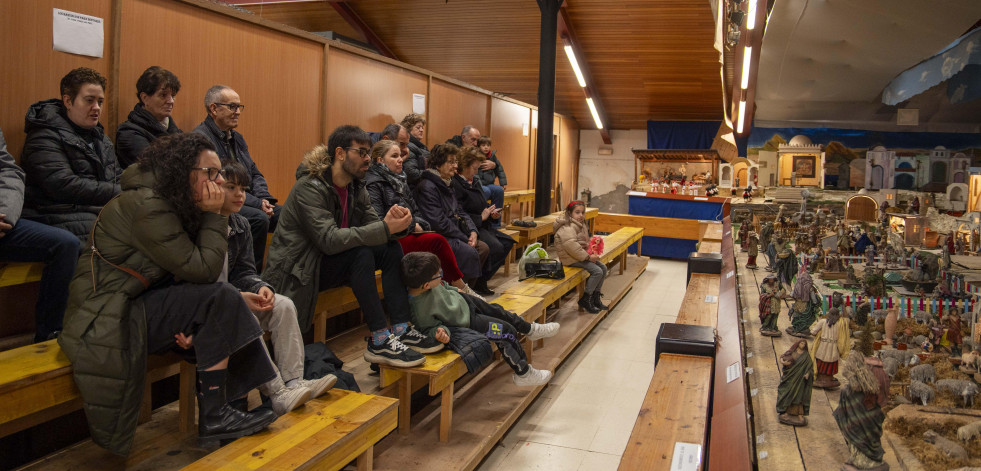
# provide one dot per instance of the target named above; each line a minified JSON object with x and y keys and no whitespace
{"x":276,"y":313}
{"x":436,"y":305}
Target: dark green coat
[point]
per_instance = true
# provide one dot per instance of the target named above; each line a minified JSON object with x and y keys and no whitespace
{"x":307,"y":230}
{"x":104,"y":332}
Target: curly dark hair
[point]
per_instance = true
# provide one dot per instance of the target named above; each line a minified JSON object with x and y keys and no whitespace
{"x":410,"y":120}
{"x":154,"y":78}
{"x":171,"y":159}
{"x":73,"y":81}
{"x":441,"y":153}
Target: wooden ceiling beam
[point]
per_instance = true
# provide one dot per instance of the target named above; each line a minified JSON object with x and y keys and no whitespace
{"x":352,"y":18}
{"x":568,"y":35}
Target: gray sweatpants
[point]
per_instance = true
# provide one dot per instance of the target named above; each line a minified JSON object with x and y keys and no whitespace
{"x":597,"y":273}
{"x":284,"y":332}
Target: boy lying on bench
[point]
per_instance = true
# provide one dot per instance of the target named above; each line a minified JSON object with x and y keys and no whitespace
{"x":436,"y":304}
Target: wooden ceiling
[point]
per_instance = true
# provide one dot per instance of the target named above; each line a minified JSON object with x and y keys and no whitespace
{"x":650,"y":60}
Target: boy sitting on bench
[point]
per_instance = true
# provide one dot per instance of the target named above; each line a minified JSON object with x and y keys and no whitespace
{"x":436,"y":305}
{"x":276,"y":313}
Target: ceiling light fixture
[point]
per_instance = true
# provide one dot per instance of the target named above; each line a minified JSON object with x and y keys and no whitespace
{"x":575,"y":65}
{"x":747,"y":60}
{"x":742,"y":116}
{"x":592,"y":109}
{"x":751,"y":15}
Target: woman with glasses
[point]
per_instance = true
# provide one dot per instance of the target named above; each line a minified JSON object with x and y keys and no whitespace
{"x":152,"y":117}
{"x":148,"y":285}
{"x":438,"y":205}
{"x":387,"y":187}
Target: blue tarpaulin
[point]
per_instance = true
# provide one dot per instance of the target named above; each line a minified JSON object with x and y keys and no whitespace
{"x":669,"y":208}
{"x":681,"y":134}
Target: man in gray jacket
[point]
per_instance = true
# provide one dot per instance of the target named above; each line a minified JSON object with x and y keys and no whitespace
{"x":22,"y":240}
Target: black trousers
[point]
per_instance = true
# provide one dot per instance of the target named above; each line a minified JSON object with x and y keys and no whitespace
{"x":499,"y":246}
{"x":259,"y":226}
{"x":356,"y":268}
{"x":501,"y":327}
{"x":222,"y":326}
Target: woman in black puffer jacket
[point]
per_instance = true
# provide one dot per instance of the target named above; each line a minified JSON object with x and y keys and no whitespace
{"x":387,"y":187}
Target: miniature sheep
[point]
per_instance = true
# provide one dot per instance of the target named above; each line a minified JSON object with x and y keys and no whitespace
{"x":924,"y":373}
{"x":966,"y":389}
{"x":969,"y":431}
{"x":919,"y":339}
{"x":970,"y":360}
{"x":922,"y":317}
{"x":891,"y":366}
{"x":879,"y":315}
{"x":904,"y":357}
{"x":921,"y":391}
{"x":944,"y":445}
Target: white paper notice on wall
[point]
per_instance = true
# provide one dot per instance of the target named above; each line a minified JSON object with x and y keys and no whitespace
{"x":686,"y":457}
{"x":732,"y":372}
{"x":76,"y":33}
{"x":524,"y":129}
{"x":418,"y":103}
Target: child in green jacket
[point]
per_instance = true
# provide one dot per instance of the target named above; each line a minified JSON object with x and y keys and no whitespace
{"x":436,"y":305}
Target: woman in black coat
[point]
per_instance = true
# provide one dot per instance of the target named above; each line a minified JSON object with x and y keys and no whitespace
{"x":471,"y":197}
{"x":151,"y":118}
{"x":438,"y":205}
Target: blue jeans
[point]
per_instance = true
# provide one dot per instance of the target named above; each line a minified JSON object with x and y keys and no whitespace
{"x":495,"y":193}
{"x":31,"y":241}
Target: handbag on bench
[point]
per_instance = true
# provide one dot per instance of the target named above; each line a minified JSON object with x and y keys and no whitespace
{"x":544,"y":268}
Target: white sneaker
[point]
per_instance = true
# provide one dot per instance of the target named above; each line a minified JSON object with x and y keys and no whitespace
{"x":467,"y":289}
{"x":532,"y":377}
{"x":287,"y":399}
{"x":318,"y":386}
{"x":540,"y":331}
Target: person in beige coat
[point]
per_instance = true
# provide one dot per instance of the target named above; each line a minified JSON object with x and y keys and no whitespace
{"x":831,"y":344}
{"x":571,"y":243}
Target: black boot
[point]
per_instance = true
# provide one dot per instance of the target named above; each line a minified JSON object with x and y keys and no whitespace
{"x":586,"y":302}
{"x":479,"y":286}
{"x":597,"y":300}
{"x":219,"y":421}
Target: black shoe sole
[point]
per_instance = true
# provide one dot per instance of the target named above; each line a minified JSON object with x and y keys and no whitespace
{"x":211,"y":441}
{"x":433,"y":349}
{"x":383,"y":360}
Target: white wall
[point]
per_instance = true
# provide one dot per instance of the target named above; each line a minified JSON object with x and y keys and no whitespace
{"x":603,"y":173}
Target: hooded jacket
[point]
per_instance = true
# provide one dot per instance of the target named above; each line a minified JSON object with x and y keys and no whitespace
{"x":104,"y":332}
{"x":241,"y":261}
{"x":571,"y":240}
{"x":487,"y":176}
{"x":137,"y":132}
{"x":308,"y":230}
{"x":71,"y":172}
{"x":387,"y":189}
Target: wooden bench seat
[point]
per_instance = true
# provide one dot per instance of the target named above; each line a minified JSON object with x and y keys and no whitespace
{"x":509,"y":259}
{"x":674,"y":411}
{"x":616,"y":244}
{"x":700,"y":305}
{"x":711,"y":231}
{"x":552,"y":290}
{"x":327,"y":433}
{"x":443,"y":368}
{"x":334,"y":302}
{"x":17,"y":273}
{"x":708,"y":246}
{"x":36,"y":385}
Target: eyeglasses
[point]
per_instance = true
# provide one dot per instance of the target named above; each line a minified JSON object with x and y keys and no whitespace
{"x":438,"y":276}
{"x":233,"y":107}
{"x":213,"y":172}
{"x":361,"y":150}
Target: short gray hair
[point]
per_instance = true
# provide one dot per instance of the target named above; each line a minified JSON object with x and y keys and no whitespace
{"x":466,"y":129}
{"x":213,"y":95}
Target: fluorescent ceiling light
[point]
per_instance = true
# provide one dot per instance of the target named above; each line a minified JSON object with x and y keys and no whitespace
{"x":747,"y":60}
{"x":751,"y":13}
{"x":742,"y":116}
{"x":592,"y":109}
{"x":575,"y":66}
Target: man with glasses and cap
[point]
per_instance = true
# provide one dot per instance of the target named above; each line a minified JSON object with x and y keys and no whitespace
{"x":224,"y":108}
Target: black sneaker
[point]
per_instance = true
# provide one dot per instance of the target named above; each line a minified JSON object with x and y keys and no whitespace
{"x":419,"y":341}
{"x":393,"y":353}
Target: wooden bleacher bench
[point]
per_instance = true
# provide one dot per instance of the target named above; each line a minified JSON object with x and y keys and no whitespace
{"x":616,"y":244}
{"x":36,"y":385}
{"x":700,"y":305}
{"x":443,"y":368}
{"x":327,"y":433}
{"x":509,"y":259}
{"x":552,"y":290}
{"x":675,"y":411}
{"x":709,"y":246}
{"x":18,"y":273}
{"x":334,"y":302}
{"x":710,"y":231}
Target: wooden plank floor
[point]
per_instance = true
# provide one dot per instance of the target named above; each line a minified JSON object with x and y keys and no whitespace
{"x":819,"y":445}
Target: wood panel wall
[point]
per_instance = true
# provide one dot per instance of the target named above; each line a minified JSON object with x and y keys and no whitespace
{"x":31,"y":69}
{"x":368,"y":93}
{"x":277,"y":76}
{"x":513,"y":147}
{"x":452,"y":107}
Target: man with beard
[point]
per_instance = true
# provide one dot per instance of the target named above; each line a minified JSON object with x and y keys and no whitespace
{"x":807,"y":306}
{"x":329,"y":235}
{"x":831,"y":344}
